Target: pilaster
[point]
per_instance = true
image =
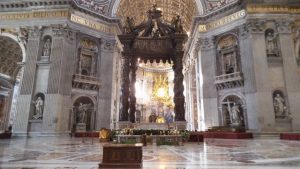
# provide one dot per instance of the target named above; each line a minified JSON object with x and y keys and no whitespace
{"x":259,"y":94}
{"x":208,"y":92}
{"x":292,"y":82}
{"x":27,"y":84}
{"x":106,"y":75}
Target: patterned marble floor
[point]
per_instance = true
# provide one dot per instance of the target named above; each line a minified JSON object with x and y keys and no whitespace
{"x":65,"y":152}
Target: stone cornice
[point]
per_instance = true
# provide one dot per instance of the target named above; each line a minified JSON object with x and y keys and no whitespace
{"x":29,"y":5}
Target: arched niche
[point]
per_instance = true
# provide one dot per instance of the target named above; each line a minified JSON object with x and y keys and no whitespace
{"x":280,"y":104}
{"x":233,"y":111}
{"x":84,"y":112}
{"x":228,"y":56}
{"x":272,"y":41}
{"x":38,"y":104}
{"x":46,"y":48}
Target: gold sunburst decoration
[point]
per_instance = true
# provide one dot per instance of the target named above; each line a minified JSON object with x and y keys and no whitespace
{"x":160,"y":91}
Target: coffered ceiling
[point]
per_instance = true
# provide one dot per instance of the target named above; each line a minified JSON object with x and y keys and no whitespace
{"x":187,"y":9}
{"x":10,"y":55}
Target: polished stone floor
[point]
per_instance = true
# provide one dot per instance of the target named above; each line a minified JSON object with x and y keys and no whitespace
{"x":66,"y":152}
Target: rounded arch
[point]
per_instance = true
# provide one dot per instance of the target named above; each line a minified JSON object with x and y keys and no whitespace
{"x":225,"y":40}
{"x":13,"y":52}
{"x":17,"y":40}
{"x":75,"y":98}
{"x":116,"y":5}
{"x":237,"y":94}
{"x":187,"y":9}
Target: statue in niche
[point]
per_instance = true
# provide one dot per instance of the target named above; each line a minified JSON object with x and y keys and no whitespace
{"x":271,"y":43}
{"x":82,"y":112}
{"x":228,"y":63}
{"x":279,"y":106}
{"x":47,"y":47}
{"x":235,"y":114}
{"x":39,"y":107}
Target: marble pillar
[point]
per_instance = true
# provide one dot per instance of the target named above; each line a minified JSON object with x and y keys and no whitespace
{"x":24,"y":101}
{"x":291,"y":79}
{"x":208,"y":91}
{"x":105,"y":95}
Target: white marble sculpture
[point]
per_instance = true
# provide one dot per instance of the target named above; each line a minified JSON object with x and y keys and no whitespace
{"x":235,"y":114}
{"x":279,"y":105}
{"x":47,"y":48}
{"x":82,"y":112}
{"x":39,"y":106}
{"x":270,"y":43}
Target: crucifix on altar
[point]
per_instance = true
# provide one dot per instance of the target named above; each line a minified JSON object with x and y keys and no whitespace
{"x":154,"y":41}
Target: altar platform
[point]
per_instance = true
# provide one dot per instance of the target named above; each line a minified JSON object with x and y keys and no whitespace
{"x":227,"y":132}
{"x":87,"y":134}
{"x":228,"y":135}
{"x":290,"y":136}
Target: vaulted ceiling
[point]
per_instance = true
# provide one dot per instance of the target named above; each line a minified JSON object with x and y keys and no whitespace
{"x":10,"y":55}
{"x":187,"y":9}
{"x":170,"y":8}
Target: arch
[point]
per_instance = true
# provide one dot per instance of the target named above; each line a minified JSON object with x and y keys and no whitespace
{"x":238,"y":94}
{"x":116,"y":5}
{"x":187,"y":9}
{"x":75,"y":98}
{"x":233,"y":110}
{"x":17,"y":40}
{"x":227,"y":35}
{"x":14,"y":53}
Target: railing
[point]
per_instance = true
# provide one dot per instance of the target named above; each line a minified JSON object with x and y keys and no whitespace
{"x":229,"y":80}
{"x":85,"y":82}
{"x":228,"y":77}
{"x":87,"y":79}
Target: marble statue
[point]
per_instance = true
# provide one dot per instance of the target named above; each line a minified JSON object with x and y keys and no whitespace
{"x":279,"y":105}
{"x":235,"y":114}
{"x":228,"y":63}
{"x":82,"y":112}
{"x":47,"y":48}
{"x":270,"y":43}
{"x":39,"y":106}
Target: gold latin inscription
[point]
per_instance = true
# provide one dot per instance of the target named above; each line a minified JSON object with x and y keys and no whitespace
{"x":35,"y":14}
{"x":272,"y":9}
{"x":92,"y":24}
{"x":222,"y":21}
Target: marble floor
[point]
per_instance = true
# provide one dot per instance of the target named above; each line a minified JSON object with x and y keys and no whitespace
{"x":66,"y":152}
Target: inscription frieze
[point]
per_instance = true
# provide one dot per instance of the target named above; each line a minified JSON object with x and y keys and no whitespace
{"x":222,"y":21}
{"x":93,"y":24}
{"x":32,"y":15}
{"x":272,"y":9}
